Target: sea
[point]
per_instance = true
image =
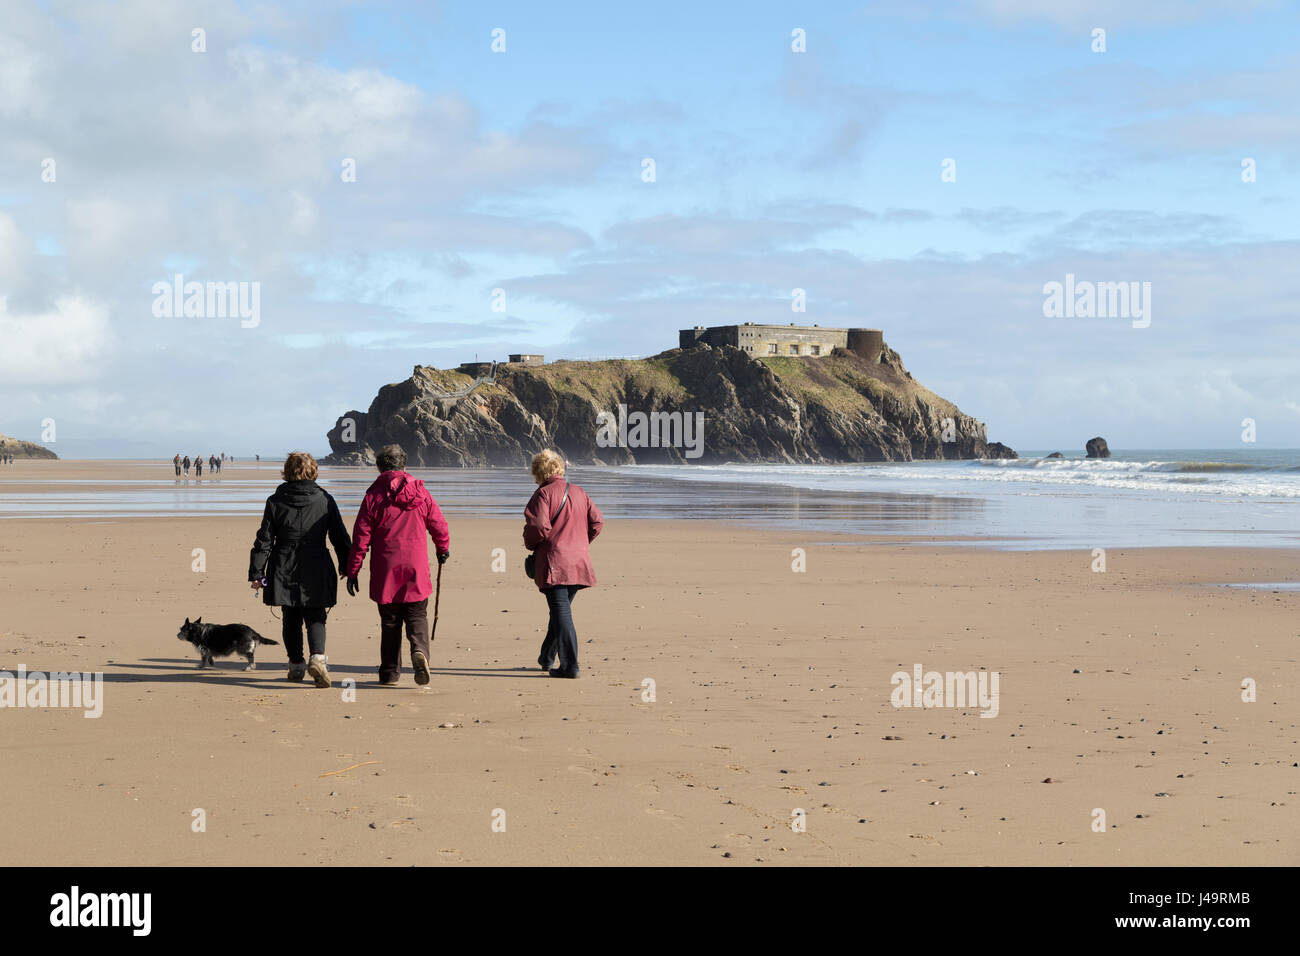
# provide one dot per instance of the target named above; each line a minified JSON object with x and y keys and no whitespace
{"x":1141,"y":498}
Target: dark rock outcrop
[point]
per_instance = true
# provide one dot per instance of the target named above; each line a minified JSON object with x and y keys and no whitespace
{"x":836,"y":408}
{"x":25,"y":449}
{"x":1056,"y":454}
{"x":1097,"y":448}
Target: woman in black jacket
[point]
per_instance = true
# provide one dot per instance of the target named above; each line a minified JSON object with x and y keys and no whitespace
{"x":290,"y":562}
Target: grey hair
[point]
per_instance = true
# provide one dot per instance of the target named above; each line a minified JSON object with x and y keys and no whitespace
{"x":391,"y":458}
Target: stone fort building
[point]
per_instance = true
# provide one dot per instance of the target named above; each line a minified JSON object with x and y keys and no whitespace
{"x":760,"y":340}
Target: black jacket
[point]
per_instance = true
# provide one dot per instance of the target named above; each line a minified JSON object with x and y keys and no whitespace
{"x":290,"y":549}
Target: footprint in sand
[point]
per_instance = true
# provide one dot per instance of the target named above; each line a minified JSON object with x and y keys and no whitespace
{"x":662,"y":814}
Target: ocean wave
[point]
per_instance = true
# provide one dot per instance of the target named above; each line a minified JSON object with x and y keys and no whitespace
{"x":1115,"y":465}
{"x":1025,"y":476}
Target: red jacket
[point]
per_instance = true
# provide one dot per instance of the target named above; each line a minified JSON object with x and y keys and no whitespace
{"x":560,"y":536}
{"x":395,"y":515}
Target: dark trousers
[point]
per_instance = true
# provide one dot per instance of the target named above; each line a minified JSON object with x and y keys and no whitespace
{"x":561,"y":637}
{"x":291,"y":630}
{"x":415,"y":615}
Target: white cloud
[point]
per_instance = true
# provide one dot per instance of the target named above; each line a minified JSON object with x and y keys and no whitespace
{"x":15,"y":253}
{"x":63,"y":345}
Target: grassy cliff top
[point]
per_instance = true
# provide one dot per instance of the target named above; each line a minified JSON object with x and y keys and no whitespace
{"x":595,"y":379}
{"x":838,"y":381}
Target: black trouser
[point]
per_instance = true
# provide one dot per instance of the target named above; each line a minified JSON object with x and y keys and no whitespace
{"x":291,"y":630}
{"x":415,"y":615}
{"x":561,"y":637}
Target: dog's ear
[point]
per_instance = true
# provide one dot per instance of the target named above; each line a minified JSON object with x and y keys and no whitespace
{"x":187,"y":620}
{"x":198,"y":620}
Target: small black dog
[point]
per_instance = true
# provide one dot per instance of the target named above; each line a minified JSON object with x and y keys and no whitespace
{"x":221,"y":640}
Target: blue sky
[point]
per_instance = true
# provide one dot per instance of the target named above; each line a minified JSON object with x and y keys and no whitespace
{"x":521,"y":171}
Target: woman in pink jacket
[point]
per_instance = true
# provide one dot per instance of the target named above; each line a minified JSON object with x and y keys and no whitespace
{"x":396,"y":514}
{"x":559,"y":525}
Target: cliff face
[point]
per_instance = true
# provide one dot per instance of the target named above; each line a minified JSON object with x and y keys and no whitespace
{"x":24,"y":449}
{"x":838,"y":408}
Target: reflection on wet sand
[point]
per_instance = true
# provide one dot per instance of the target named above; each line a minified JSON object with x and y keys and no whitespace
{"x":998,"y":516}
{"x":497,"y":493}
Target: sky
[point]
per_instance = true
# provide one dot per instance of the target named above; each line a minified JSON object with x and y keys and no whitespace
{"x":922,"y":167}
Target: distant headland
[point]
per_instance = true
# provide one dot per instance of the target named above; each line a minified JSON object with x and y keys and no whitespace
{"x":24,"y":449}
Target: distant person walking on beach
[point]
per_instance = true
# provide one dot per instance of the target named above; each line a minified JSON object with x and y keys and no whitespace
{"x":290,"y":562}
{"x":198,"y":466}
{"x":560,"y":523}
{"x":396,"y":514}
{"x":186,"y":464}
{"x":177,"y":462}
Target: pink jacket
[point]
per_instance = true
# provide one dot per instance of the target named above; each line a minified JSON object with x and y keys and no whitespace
{"x":396,"y":513}
{"x":560,"y":537}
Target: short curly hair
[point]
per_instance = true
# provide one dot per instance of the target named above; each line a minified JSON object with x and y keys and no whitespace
{"x":546,"y":465}
{"x":299,"y":466}
{"x":391,"y":458}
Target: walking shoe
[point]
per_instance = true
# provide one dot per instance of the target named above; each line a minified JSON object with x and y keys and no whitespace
{"x":389,"y":681}
{"x":421,"y":668}
{"x":561,"y":672}
{"x":297,"y":670}
{"x":316,"y":668}
{"x":543,"y":663}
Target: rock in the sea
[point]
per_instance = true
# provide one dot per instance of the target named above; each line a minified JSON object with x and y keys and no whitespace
{"x":1097,"y":448}
{"x":835,"y":408}
{"x":24,"y":449}
{"x":1056,"y":454}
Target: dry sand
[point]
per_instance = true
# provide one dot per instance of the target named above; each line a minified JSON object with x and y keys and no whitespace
{"x":773,"y":693}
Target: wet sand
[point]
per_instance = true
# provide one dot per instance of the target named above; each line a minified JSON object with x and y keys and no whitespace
{"x":773,"y":694}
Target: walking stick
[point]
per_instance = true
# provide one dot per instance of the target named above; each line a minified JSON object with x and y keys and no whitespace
{"x":437,"y":594}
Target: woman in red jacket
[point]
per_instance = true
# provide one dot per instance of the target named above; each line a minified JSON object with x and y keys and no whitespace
{"x":395,"y":517}
{"x":559,"y":525}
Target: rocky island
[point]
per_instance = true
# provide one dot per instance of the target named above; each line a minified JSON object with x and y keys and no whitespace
{"x":783,"y":394}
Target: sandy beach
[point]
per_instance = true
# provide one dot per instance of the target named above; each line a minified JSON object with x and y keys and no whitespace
{"x":772,"y":694}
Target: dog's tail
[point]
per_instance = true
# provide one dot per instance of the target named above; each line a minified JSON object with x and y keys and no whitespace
{"x":264,"y":640}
